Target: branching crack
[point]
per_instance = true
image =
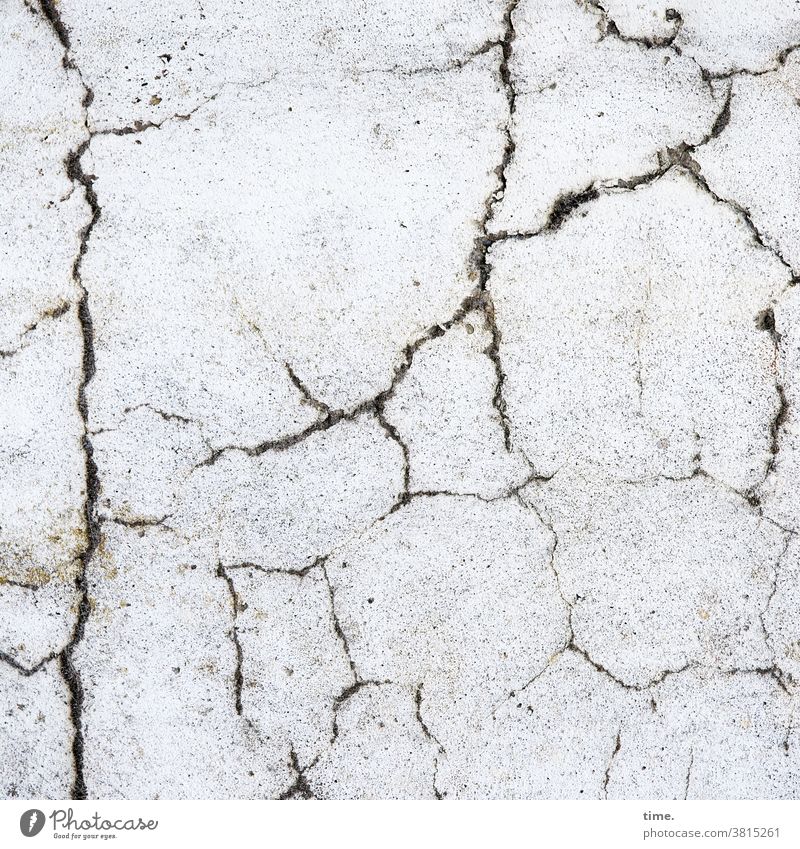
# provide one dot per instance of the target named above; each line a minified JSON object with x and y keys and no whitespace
{"x":482,"y":296}
{"x":478,"y":300}
{"x":300,"y":789}
{"x":657,"y":679}
{"x":608,"y":28}
{"x":78,"y":177}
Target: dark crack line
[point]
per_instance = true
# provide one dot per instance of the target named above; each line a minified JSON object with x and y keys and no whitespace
{"x":344,"y":696}
{"x":141,"y":126}
{"x":323,"y":409}
{"x":744,"y":215}
{"x":438,"y":795}
{"x":478,"y":300}
{"x":749,"y":497}
{"x":300,"y":789}
{"x":422,"y":724}
{"x":455,"y":64}
{"x":238,"y":677}
{"x":789,"y":729}
{"x":567,"y":203}
{"x":330,"y":417}
{"x":775,"y":671}
{"x":482,"y":296}
{"x":657,"y":679}
{"x":53,"y":17}
{"x":394,"y":434}
{"x":78,"y":177}
{"x":766,"y":321}
{"x":608,"y":28}
{"x":688,"y":775}
{"x":8,"y":582}
{"x":277,"y":570}
{"x":138,"y":524}
{"x":337,"y":627}
{"x":54,"y":313}
{"x":780,"y":61}
{"x":27,"y":671}
{"x":168,"y":417}
{"x":407,"y":498}
{"x":607,"y":776}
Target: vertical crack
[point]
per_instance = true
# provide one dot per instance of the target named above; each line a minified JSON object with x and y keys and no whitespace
{"x":76,"y":174}
{"x":789,"y":729}
{"x":482,"y":297}
{"x":607,"y":777}
{"x":766,"y":321}
{"x":394,"y":434}
{"x":238,"y":678}
{"x":337,"y":628}
{"x":436,"y":791}
{"x":689,"y":774}
{"x":777,"y":672}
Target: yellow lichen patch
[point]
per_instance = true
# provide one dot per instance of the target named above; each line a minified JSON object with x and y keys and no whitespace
{"x":36,"y":576}
{"x":67,"y":572}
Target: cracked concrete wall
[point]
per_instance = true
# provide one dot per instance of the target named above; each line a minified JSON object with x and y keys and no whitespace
{"x":400,"y":400}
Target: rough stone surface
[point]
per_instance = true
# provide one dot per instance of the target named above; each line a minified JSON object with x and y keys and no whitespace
{"x":400,"y":400}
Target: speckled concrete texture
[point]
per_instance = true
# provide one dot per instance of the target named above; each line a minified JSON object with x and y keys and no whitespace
{"x":400,"y":400}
